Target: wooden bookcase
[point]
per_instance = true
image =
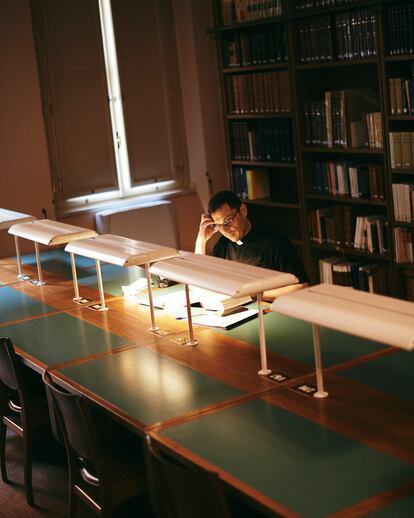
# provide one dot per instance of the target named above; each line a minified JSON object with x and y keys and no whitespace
{"x":348,"y":48}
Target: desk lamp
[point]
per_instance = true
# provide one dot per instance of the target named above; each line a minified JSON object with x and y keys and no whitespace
{"x":226,"y":277}
{"x":120,"y":251}
{"x":47,"y":232}
{"x":374,"y":317}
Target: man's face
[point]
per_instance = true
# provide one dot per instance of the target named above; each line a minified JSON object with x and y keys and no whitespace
{"x":230,"y":222}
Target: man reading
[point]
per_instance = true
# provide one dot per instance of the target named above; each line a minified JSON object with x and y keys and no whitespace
{"x":241,"y":241}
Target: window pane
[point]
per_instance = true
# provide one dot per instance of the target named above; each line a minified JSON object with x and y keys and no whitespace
{"x":150,"y":88}
{"x":75,"y":95}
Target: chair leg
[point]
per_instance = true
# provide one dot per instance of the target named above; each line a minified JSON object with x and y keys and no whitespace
{"x":73,"y":503}
{"x":3,"y":434}
{"x":27,"y":439}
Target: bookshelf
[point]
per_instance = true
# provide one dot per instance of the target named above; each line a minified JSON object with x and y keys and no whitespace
{"x":312,"y":91}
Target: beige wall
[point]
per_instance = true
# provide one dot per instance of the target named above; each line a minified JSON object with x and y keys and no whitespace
{"x":202,"y":97}
{"x":24,"y":167}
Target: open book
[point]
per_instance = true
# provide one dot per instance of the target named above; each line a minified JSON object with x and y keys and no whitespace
{"x":209,"y":300}
{"x":222,"y":304}
{"x":211,"y":319}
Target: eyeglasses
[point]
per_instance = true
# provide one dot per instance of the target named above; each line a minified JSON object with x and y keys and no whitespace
{"x":226,"y":224}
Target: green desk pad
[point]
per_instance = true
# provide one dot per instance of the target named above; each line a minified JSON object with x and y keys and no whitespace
{"x":147,"y":386}
{"x":15,"y":305}
{"x":309,"y":469}
{"x":57,"y":260}
{"x":113,"y":278}
{"x":293,"y":338}
{"x":392,"y":374}
{"x":61,"y":337}
{"x":402,"y":509}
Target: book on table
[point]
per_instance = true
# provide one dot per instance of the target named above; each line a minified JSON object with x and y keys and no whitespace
{"x":221,"y":304}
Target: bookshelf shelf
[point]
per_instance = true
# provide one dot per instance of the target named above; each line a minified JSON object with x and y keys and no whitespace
{"x":272,"y":203}
{"x":401,"y":117}
{"x":342,"y":151}
{"x":253,"y":163}
{"x":403,"y":224}
{"x":405,"y":266}
{"x":334,"y":64}
{"x":222,"y":29}
{"x":255,"y":68}
{"x":350,"y":251}
{"x":347,"y":199}
{"x":402,"y":171}
{"x":394,"y":59}
{"x":280,"y":115}
{"x":315,"y":11}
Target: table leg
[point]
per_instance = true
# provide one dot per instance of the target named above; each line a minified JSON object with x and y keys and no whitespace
{"x":192,"y":341}
{"x":318,"y":362}
{"x":74,"y":277}
{"x":262,"y":338}
{"x":153,"y":327}
{"x":100,"y":286}
{"x":39,"y":281}
{"x":19,"y":259}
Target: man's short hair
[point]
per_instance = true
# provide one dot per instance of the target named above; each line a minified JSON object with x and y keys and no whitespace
{"x":221,"y":198}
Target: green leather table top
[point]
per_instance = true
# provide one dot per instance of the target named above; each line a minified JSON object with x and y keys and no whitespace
{"x":113,"y":277}
{"x":15,"y":305}
{"x":392,"y":374}
{"x":403,"y":508}
{"x":56,"y":260}
{"x":61,"y":337}
{"x":148,"y":386}
{"x":309,"y":469}
{"x":293,"y":338}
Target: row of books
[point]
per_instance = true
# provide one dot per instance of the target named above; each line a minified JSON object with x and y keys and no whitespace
{"x":353,"y":32}
{"x":255,"y":48}
{"x":263,"y":140}
{"x":403,"y":240}
{"x":310,"y":4}
{"x":402,"y":95}
{"x":339,"y":226}
{"x":402,"y":149}
{"x":236,"y":11}
{"x":403,"y":201}
{"x":251,"y":184}
{"x":401,"y":29}
{"x":357,"y":275}
{"x":348,"y":179}
{"x":345,"y":118}
{"x":267,"y":92}
{"x":314,"y":39}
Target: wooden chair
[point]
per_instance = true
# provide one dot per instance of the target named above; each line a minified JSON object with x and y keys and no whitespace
{"x":101,"y":477}
{"x":178,"y":492}
{"x":23,"y":409}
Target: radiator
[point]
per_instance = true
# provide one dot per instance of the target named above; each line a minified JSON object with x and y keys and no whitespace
{"x":154,"y":222}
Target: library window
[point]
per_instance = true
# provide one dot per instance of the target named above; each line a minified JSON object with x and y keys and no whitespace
{"x":110,"y":86}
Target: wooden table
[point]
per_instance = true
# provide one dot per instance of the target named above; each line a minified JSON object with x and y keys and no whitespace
{"x":285,"y":452}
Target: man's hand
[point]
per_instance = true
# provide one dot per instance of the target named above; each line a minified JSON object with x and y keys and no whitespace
{"x":205,"y":232}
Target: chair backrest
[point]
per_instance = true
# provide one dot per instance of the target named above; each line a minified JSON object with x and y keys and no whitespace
{"x":8,"y":364}
{"x":178,"y":492}
{"x":74,"y":419}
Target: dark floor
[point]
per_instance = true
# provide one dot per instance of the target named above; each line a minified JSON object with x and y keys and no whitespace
{"x":49,"y":484}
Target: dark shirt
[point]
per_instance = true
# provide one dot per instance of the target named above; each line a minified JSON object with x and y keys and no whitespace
{"x":263,"y":249}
